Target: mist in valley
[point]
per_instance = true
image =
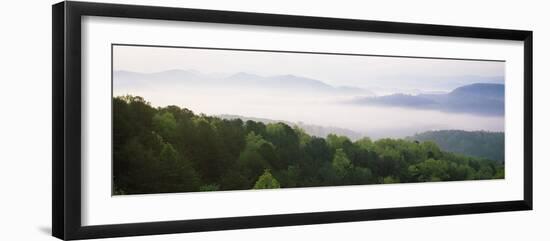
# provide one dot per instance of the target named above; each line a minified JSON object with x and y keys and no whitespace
{"x":322,"y":109}
{"x":315,"y":95}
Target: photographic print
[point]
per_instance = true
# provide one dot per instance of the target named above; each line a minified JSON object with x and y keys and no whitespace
{"x":190,"y":119}
{"x":160,"y":114}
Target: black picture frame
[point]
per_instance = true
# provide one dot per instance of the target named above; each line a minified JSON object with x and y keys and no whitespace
{"x":66,"y":128}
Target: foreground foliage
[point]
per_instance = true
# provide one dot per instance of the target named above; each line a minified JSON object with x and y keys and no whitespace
{"x":170,"y":149}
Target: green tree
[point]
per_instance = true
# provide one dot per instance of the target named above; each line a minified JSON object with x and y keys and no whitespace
{"x":175,"y":174}
{"x":286,"y":143}
{"x":341,"y":163}
{"x":431,"y":170}
{"x":389,"y":158}
{"x":485,"y":172}
{"x":389,"y":180}
{"x":499,"y":174}
{"x":205,"y":150}
{"x":134,"y":168}
{"x":291,"y":177}
{"x":313,"y":155}
{"x":266,"y":181}
{"x":165,"y":125}
{"x":431,"y":149}
{"x":338,"y":142}
{"x":252,"y":160}
{"x":256,"y":127}
{"x":360,"y":175}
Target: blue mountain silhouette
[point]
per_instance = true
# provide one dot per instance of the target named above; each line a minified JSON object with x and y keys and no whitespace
{"x":480,"y":99}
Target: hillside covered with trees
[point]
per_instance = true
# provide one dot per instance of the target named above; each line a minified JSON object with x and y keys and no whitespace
{"x":482,"y":144}
{"x":170,"y":149}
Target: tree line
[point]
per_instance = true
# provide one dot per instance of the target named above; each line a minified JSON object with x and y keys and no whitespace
{"x":172,"y":149}
{"x":482,"y":144}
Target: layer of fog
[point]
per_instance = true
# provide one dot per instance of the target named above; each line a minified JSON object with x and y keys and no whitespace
{"x":324,"y":110}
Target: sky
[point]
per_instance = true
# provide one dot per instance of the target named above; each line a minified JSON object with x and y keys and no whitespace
{"x":336,"y":70}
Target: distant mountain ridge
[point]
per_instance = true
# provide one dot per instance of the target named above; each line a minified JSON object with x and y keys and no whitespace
{"x":478,"y":98}
{"x":487,"y":90}
{"x":190,"y":78}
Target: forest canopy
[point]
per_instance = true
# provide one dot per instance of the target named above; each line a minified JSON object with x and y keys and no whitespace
{"x":172,"y":149}
{"x":482,"y":144}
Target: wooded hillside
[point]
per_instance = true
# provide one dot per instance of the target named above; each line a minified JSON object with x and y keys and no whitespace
{"x":170,"y":149}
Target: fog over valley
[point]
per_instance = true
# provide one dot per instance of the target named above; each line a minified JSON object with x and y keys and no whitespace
{"x":354,"y":111}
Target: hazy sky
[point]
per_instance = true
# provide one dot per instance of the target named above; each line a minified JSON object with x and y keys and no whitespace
{"x":337,"y":70}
